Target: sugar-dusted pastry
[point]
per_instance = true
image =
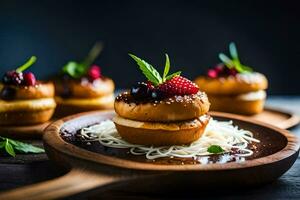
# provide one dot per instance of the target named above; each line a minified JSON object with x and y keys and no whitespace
{"x":82,"y":87}
{"x":162,"y":110}
{"x":23,"y":99}
{"x":234,"y":87}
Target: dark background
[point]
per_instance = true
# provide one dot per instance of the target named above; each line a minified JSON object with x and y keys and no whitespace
{"x":191,"y":32}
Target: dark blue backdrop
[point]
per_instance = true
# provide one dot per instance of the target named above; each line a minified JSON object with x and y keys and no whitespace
{"x":192,"y":32}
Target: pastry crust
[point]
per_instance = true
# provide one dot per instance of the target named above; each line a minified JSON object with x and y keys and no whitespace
{"x":40,"y":90}
{"x":75,"y":105}
{"x":160,"y":134}
{"x":86,"y":89}
{"x":235,"y":104}
{"x":177,"y":108}
{"x":231,"y":85}
{"x":26,"y":117}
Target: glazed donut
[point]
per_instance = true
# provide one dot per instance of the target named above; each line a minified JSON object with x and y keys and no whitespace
{"x":231,"y":85}
{"x":160,"y":134}
{"x":177,"y":108}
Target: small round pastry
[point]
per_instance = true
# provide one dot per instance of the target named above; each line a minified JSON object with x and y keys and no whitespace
{"x":233,"y":87}
{"x":82,"y":87}
{"x":168,"y":110}
{"x":23,"y":99}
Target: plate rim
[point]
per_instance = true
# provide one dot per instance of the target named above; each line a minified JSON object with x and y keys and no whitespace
{"x":53,"y":140}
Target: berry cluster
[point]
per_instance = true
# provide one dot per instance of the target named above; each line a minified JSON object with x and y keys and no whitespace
{"x":19,"y":78}
{"x":178,"y":85}
{"x":221,"y":71}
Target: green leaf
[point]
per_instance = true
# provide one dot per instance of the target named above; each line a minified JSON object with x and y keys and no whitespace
{"x":172,"y":75}
{"x":26,"y":148}
{"x":30,"y":62}
{"x":148,"y":70}
{"x":227,"y":61}
{"x":93,"y":54}
{"x":233,"y":51}
{"x":9,"y":148}
{"x":215,"y":149}
{"x":74,"y":69}
{"x":167,"y":68}
{"x":2,"y":144}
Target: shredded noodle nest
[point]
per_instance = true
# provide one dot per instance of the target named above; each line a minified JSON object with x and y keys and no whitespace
{"x":221,"y":133}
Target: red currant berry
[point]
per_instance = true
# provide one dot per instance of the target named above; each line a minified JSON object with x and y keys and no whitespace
{"x":94,"y":72}
{"x":29,"y":79}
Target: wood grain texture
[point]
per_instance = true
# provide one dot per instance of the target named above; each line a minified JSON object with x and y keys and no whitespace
{"x":89,"y":170}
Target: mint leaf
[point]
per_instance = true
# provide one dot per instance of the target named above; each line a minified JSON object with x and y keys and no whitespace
{"x":233,"y":51}
{"x":9,"y":148}
{"x":227,"y":61}
{"x":167,"y":68}
{"x":30,"y":62}
{"x":148,"y":70}
{"x":172,"y":75}
{"x":215,"y":149}
{"x":74,"y":69}
{"x":25,"y":148}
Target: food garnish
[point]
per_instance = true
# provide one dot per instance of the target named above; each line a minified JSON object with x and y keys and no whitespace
{"x":230,"y":66}
{"x":85,"y":68}
{"x":158,"y":86}
{"x":11,"y":146}
{"x":17,"y":77}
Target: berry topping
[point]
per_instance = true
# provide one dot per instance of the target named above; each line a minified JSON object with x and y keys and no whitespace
{"x":16,"y":77}
{"x":178,"y":86}
{"x":157,"y":86}
{"x":8,"y":93}
{"x":94,"y":72}
{"x":230,"y":66}
{"x":13,"y":78}
{"x":78,"y":70}
{"x":29,"y":79}
{"x":141,"y":91}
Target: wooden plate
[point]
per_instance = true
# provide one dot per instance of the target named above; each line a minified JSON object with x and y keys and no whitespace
{"x":280,"y":118}
{"x":91,"y":168}
{"x":24,"y":132}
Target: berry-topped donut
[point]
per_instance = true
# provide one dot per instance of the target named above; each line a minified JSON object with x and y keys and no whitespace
{"x":234,"y":87}
{"x":163,"y":110}
{"x":23,"y":99}
{"x":82,"y":87}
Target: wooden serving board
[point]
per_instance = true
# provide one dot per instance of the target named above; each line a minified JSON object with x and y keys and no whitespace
{"x":90,"y":169}
{"x":24,"y":132}
{"x":280,"y":118}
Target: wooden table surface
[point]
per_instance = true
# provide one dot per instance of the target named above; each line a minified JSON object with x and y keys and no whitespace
{"x":28,"y":169}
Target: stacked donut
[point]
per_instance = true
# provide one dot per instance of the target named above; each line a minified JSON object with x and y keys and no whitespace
{"x":169,"y":112}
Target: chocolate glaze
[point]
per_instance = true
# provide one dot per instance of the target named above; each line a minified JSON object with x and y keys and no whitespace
{"x":126,"y":97}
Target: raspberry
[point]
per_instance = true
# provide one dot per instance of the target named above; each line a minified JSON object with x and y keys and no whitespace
{"x":94,"y":72}
{"x":29,"y":79}
{"x":212,"y":73}
{"x":13,"y":77}
{"x":178,"y":85}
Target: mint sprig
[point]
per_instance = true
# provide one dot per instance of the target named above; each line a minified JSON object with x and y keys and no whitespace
{"x":26,"y":65}
{"x":234,"y":61}
{"x":79,"y":69}
{"x":11,"y":146}
{"x":215,"y":149}
{"x":151,"y":73}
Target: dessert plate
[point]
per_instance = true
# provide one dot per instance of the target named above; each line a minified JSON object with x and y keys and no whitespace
{"x":24,"y":132}
{"x":280,"y":118}
{"x":94,"y":166}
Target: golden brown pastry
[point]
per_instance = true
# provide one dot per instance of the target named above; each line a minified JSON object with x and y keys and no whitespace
{"x":167,"y":110}
{"x":82,"y":87}
{"x":24,"y":100}
{"x":233,"y":87}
